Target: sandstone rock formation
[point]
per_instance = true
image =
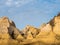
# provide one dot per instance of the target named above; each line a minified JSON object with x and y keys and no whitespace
{"x":56,"y":27}
{"x":8,"y":30}
{"x":47,"y":34}
{"x":30,"y":31}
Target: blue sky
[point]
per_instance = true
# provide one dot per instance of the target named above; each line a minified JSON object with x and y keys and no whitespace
{"x":29,"y":12}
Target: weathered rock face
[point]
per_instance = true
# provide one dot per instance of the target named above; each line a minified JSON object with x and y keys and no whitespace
{"x":45,"y":30}
{"x":56,"y":27}
{"x":30,"y":32}
{"x":47,"y":34}
{"x":8,"y":29}
{"x":4,"y":24}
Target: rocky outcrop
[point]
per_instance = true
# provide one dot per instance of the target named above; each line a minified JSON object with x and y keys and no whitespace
{"x":47,"y":34}
{"x":8,"y":30}
{"x":30,"y":31}
{"x":56,"y":27}
{"x":45,"y":30}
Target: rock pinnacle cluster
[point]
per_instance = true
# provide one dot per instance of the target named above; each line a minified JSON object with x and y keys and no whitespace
{"x":46,"y":34}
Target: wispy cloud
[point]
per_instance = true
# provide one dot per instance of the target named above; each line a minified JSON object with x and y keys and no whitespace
{"x":9,"y":2}
{"x":17,"y":3}
{"x":32,"y":12}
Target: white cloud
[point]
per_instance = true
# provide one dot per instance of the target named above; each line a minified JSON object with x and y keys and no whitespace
{"x":17,"y":3}
{"x":8,"y":2}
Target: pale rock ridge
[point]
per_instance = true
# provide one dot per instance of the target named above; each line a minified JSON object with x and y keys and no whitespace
{"x":47,"y":34}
